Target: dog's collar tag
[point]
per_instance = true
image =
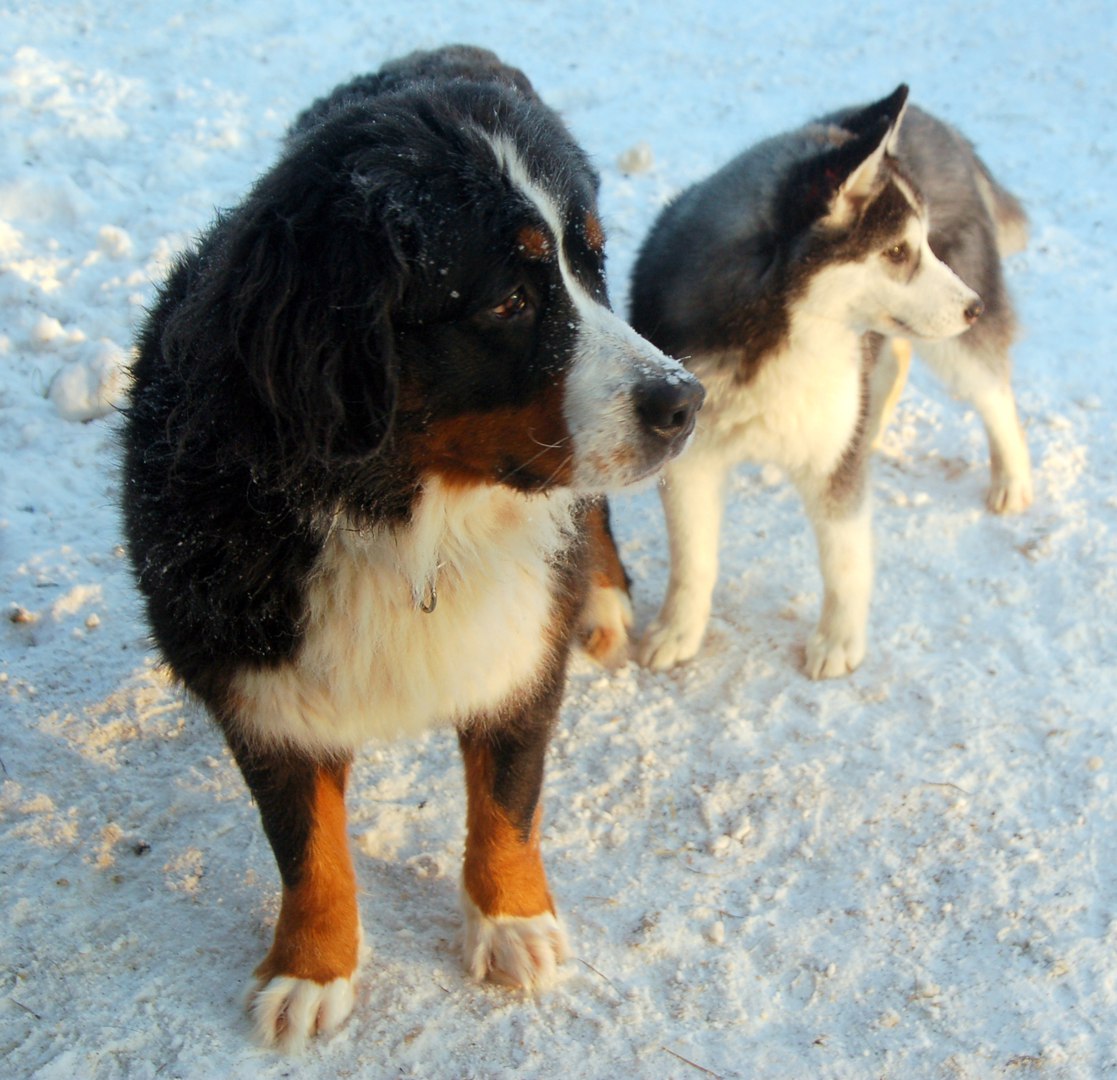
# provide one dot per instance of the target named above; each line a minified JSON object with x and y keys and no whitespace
{"x":429,"y":600}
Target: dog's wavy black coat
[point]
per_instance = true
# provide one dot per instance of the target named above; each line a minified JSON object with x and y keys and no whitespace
{"x":392,"y":339}
{"x":268,"y":372}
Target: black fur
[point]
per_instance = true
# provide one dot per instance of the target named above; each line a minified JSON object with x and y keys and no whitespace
{"x":452,"y":62}
{"x":282,"y":782}
{"x":269,"y":387}
{"x":750,"y":269}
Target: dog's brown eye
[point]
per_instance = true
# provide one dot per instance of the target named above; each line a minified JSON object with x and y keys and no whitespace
{"x":514,"y":304}
{"x":898,"y":253}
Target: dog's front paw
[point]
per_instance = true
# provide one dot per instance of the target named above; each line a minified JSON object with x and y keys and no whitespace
{"x":666,"y":644}
{"x":286,"y":1011}
{"x":830,"y":654}
{"x":1010,"y":493}
{"x":513,"y":951}
{"x":604,"y":625}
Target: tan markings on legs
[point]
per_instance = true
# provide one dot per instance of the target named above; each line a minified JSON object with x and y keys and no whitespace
{"x":317,"y":934}
{"x":503,"y":871}
{"x":607,"y":613}
{"x":604,"y":558}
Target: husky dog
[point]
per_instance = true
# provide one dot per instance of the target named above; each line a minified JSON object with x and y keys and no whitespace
{"x":779,"y":279}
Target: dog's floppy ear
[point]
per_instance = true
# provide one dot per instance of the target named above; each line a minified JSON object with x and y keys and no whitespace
{"x":312,"y":276}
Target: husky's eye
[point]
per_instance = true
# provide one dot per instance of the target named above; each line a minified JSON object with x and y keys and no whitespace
{"x":897,"y":254}
{"x":513,"y":305}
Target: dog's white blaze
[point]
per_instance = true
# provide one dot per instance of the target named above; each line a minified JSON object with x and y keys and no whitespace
{"x":930,"y":304}
{"x":611,"y":360}
{"x":867,"y":294}
{"x":933,"y":303}
{"x":374,"y":665}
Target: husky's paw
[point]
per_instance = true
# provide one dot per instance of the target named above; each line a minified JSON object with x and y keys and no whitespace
{"x":604,"y":625}
{"x":286,"y":1011}
{"x":666,"y":644}
{"x":1010,"y":494}
{"x":831,"y":655}
{"x":517,"y":952}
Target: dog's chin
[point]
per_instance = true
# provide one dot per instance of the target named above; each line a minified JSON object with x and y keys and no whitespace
{"x":630,"y":471}
{"x":894,"y":327}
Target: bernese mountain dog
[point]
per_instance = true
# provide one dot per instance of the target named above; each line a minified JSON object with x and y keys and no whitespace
{"x":372,"y":412}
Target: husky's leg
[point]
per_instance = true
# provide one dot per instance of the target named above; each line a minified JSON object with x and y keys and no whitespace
{"x":693,"y":493}
{"x":890,"y":377}
{"x":843,"y":527}
{"x":1010,"y":465}
{"x":985,"y":382}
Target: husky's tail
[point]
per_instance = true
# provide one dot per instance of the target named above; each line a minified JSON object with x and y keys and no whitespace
{"x":1007,"y":213}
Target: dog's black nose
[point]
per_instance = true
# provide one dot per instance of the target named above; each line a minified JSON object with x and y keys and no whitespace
{"x":973,"y":312}
{"x":668,"y":406}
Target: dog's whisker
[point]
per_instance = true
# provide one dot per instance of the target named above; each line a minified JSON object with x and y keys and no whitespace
{"x":559,"y":468}
{"x":535,"y":457}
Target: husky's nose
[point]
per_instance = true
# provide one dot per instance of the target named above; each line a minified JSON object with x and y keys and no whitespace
{"x":973,"y":311}
{"x":668,"y":407}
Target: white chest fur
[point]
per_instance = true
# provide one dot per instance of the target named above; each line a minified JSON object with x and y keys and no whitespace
{"x":799,"y":410}
{"x":374,"y":665}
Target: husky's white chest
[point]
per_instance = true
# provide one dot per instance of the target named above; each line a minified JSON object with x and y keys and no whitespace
{"x":375,"y":665}
{"x":800,"y":409}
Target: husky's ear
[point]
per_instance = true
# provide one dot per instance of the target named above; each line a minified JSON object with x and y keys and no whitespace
{"x":831,"y":188}
{"x":889,"y":110}
{"x":899,"y":97}
{"x":852,"y":170}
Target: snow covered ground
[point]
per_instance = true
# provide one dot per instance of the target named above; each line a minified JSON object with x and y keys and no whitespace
{"x":909,"y":873}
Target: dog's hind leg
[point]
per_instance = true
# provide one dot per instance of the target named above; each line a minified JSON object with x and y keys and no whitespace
{"x":889,"y":380}
{"x":981,"y":375}
{"x":693,"y":498}
{"x":1010,"y":466}
{"x":512,"y":934}
{"x":607,"y":614}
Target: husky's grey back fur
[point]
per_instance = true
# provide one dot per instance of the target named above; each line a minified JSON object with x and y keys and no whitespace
{"x":728,"y":258}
